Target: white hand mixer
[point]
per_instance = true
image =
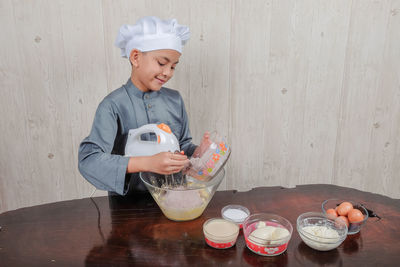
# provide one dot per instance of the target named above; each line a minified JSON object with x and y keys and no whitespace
{"x":166,"y":141}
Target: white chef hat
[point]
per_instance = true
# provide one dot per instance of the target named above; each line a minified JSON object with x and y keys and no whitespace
{"x":152,"y":33}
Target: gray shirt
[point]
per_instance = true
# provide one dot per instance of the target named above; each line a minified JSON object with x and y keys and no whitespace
{"x":101,"y":159}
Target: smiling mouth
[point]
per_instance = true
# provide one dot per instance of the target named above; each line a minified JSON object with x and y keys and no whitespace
{"x":160,"y":80}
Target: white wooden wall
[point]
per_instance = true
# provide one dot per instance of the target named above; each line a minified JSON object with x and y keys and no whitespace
{"x":306,"y":91}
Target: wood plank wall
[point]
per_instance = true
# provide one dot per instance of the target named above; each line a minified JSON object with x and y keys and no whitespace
{"x":305,"y":91}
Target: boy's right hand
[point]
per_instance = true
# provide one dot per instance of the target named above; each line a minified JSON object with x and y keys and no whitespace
{"x":167,"y":162}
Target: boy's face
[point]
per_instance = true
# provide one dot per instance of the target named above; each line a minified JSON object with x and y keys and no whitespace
{"x":150,"y":70}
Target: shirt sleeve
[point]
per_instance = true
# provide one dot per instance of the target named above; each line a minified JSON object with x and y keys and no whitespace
{"x":97,"y":165}
{"x":185,"y":141}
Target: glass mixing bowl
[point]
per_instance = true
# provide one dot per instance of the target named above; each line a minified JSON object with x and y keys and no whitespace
{"x":320,"y":232}
{"x":181,"y":199}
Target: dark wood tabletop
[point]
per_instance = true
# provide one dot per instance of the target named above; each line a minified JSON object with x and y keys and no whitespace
{"x":128,"y":231}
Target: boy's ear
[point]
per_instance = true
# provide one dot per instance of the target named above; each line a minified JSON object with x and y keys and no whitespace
{"x":134,"y":57}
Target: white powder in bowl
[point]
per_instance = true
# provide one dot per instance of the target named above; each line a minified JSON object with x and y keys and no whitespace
{"x":236,"y":215}
{"x":320,"y":237}
{"x":321,"y":232}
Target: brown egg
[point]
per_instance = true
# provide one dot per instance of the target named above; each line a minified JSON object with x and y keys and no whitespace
{"x":355,"y":215}
{"x":344,"y":208}
{"x":344,"y":219}
{"x":331,"y":214}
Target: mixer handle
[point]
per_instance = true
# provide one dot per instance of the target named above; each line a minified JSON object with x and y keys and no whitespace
{"x":166,"y":140}
{"x":157,"y":129}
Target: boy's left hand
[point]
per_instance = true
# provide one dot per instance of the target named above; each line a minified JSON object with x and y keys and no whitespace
{"x":205,"y":143}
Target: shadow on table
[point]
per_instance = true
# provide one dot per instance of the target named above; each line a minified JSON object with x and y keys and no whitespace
{"x":352,"y":243}
{"x":256,"y":260}
{"x":306,"y":255}
{"x":116,"y":247}
{"x":141,"y":235}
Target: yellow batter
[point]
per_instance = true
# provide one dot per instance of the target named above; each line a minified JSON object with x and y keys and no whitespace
{"x":183,"y":205}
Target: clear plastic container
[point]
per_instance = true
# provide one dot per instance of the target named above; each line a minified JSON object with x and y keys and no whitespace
{"x":220,"y":233}
{"x":181,"y":201}
{"x":210,"y":161}
{"x":320,"y":232}
{"x":354,"y":227}
{"x":274,"y":240}
{"x":235,"y":213}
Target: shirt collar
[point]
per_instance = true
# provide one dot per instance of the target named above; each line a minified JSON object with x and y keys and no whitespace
{"x":132,"y":89}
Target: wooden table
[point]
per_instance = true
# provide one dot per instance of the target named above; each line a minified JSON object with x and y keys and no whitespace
{"x":120,"y":231}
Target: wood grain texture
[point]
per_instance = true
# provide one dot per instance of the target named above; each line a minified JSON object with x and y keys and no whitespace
{"x":86,"y":75}
{"x":14,"y":133}
{"x":250,"y":41}
{"x":384,"y":141}
{"x":325,"y":54}
{"x":364,"y":65}
{"x":304,"y":91}
{"x":132,"y":231}
{"x":43,"y":86}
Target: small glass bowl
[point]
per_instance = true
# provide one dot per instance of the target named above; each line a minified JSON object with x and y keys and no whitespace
{"x":266,"y":247}
{"x":216,"y":239}
{"x":316,"y":241}
{"x":354,"y":227}
{"x":238,"y":221}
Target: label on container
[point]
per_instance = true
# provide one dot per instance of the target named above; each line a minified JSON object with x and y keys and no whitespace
{"x":266,"y":250}
{"x":219,"y":245}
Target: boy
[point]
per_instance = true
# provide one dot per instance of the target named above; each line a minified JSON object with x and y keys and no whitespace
{"x":153,"y":47}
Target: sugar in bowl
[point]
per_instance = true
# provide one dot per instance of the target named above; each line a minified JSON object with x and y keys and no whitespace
{"x":235,"y":213}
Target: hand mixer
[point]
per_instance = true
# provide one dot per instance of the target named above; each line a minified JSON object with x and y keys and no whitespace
{"x":164,"y":141}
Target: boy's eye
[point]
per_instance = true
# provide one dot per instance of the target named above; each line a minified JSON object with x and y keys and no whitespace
{"x":161,"y":64}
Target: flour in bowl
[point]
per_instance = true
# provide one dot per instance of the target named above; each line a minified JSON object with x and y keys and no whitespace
{"x":322,"y":233}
